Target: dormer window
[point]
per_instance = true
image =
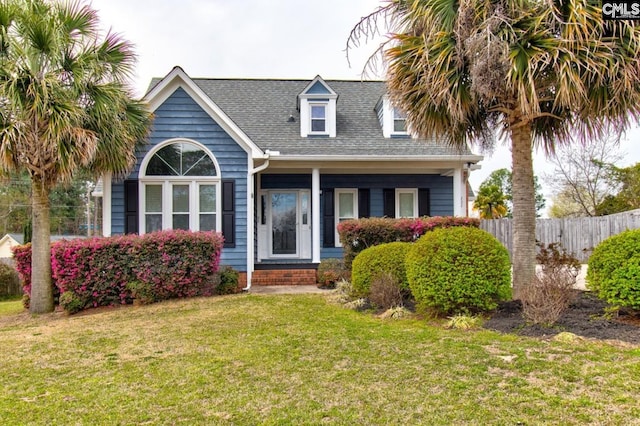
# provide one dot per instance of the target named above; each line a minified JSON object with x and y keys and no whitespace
{"x":318,"y":118}
{"x":392,"y":119}
{"x":317,"y":104}
{"x":399,"y":122}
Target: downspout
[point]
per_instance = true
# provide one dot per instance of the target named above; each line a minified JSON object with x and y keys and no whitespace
{"x":251,"y":222}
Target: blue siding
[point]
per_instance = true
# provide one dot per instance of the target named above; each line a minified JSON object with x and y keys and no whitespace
{"x":440,"y":188}
{"x":181,"y":117}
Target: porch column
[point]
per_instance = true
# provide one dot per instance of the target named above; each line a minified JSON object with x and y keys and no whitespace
{"x":315,"y":215}
{"x":106,"y":204}
{"x":458,"y":193}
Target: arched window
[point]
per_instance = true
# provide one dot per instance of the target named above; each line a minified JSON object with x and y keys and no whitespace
{"x":180,"y":187}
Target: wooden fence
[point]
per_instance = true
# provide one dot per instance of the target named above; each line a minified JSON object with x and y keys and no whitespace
{"x":577,"y":235}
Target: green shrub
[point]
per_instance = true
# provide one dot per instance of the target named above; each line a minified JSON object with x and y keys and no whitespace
{"x":614,"y":270}
{"x":70,"y":302}
{"x":330,"y":271}
{"x":383,"y":258}
{"x":228,"y":281}
{"x":9,"y":281}
{"x":458,"y":270}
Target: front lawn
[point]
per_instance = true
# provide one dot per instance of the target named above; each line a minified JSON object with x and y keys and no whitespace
{"x":298,"y":359}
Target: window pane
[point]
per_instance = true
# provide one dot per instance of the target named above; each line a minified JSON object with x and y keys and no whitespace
{"x":181,"y":221}
{"x":345,"y":203}
{"x":181,"y":159}
{"x":207,"y":198}
{"x":153,"y":198}
{"x":305,"y":208}
{"x":153,"y":222}
{"x":317,"y":125}
{"x":399,"y":125}
{"x":207,"y":222}
{"x":180,"y":198}
{"x":318,"y":111}
{"x":406,"y":204}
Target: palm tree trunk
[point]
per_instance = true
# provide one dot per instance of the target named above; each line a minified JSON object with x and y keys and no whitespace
{"x":41,"y":289}
{"x":524,"y":209}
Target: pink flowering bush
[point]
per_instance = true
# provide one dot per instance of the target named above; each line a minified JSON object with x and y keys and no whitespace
{"x":98,"y":271}
{"x":359,"y":234}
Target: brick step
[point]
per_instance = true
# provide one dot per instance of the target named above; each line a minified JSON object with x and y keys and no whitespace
{"x":283,"y":277}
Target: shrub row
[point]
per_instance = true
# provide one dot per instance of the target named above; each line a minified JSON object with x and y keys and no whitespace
{"x":359,"y":234}
{"x":448,"y":271}
{"x":105,"y":271}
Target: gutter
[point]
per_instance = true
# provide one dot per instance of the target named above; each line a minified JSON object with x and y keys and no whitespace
{"x":252,"y":173}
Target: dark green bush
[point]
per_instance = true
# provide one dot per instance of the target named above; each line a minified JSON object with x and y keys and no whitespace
{"x":383,"y":258}
{"x":228,"y":280}
{"x":614,"y":270}
{"x":9,"y":281}
{"x":458,"y":270}
{"x":330,"y":271}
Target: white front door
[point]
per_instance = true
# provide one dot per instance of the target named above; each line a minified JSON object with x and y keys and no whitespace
{"x":284,"y":227}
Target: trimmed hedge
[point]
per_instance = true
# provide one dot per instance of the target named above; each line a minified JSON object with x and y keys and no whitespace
{"x":100,"y":271}
{"x":458,"y":270}
{"x":614,"y":270}
{"x":359,"y":234}
{"x":374,"y":261}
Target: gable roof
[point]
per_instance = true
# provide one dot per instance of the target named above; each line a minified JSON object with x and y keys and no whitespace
{"x":266,"y":111}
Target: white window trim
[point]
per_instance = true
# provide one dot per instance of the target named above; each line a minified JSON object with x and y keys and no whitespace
{"x":167,"y":200}
{"x":395,"y":132}
{"x":414,"y":192}
{"x":336,"y":206}
{"x":326,"y":118}
{"x":167,"y":182}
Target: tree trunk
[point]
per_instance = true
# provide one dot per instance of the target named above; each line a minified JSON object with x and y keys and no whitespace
{"x":524,"y":208}
{"x":41,"y":289}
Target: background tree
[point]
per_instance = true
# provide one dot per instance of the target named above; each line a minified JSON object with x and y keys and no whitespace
{"x":502,"y":179}
{"x":64,"y":106}
{"x":490,"y":202}
{"x":540,"y":71}
{"x":580,"y":178}
{"x":68,"y":205}
{"x":626,"y":184}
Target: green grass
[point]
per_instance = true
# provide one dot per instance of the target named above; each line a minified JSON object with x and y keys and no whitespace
{"x":298,"y":359}
{"x":11,"y":306}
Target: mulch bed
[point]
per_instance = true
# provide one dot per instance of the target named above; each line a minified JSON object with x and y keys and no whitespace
{"x":587,"y":317}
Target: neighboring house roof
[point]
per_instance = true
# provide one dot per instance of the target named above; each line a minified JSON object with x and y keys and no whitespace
{"x":262,"y":109}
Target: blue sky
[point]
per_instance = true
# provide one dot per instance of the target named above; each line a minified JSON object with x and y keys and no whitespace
{"x":266,"y":39}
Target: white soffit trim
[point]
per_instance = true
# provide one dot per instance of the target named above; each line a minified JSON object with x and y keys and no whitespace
{"x":177,"y":78}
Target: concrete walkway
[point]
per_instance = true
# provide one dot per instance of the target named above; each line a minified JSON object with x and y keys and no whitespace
{"x":286,"y":289}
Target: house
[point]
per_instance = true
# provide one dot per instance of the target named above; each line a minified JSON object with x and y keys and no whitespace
{"x":11,"y":240}
{"x":7,"y":243}
{"x":275,"y":165}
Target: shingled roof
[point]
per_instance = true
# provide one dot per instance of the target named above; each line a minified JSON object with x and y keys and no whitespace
{"x":262,"y":109}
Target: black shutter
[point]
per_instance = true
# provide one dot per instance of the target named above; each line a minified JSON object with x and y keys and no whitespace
{"x":229,"y":212}
{"x":131,"y":206}
{"x":364,"y":202}
{"x":328,"y":219}
{"x":389,"y":202}
{"x":424,"y":207}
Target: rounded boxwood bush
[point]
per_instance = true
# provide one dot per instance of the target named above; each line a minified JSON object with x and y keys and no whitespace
{"x":458,"y":270}
{"x":373,"y":261}
{"x":614,"y":270}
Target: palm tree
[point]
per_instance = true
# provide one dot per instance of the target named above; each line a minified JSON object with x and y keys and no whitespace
{"x":541,"y":72}
{"x":490,"y":202}
{"x":64,"y":106}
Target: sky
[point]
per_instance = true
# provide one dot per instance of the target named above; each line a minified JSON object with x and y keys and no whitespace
{"x":270,"y":39}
